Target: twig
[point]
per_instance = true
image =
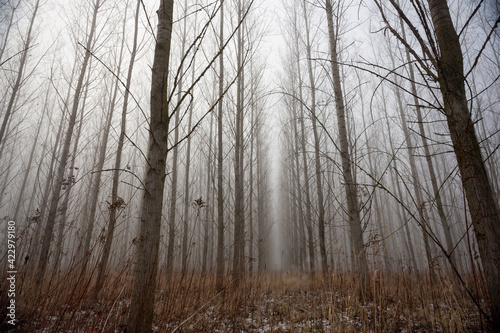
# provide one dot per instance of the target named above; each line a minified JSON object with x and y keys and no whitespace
{"x":199,"y":309}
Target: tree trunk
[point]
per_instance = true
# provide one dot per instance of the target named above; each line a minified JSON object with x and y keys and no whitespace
{"x":430,"y":166}
{"x":185,"y":225}
{"x":173,"y":196}
{"x":374,"y":194}
{"x":308,"y":217}
{"x":428,"y":157}
{"x":319,"y":185}
{"x":481,"y":201}
{"x":417,"y":187}
{"x":350,"y":186}
{"x":261,"y":225}
{"x":220,"y":184}
{"x":141,"y":312}
{"x":175,"y":171}
{"x":208,"y":217}
{"x":239,"y":205}
{"x":100,"y":163}
{"x":299,"y":199}
{"x":253,"y":121}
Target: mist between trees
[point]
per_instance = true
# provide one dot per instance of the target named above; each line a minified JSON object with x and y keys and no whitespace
{"x":148,"y":141}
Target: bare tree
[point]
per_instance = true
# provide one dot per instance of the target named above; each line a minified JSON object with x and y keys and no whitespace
{"x":187,"y":200}
{"x":350,"y":186}
{"x":444,"y":54}
{"x":317,"y":163}
{"x":220,"y":146}
{"x":303,"y":139}
{"x":481,"y":200}
{"x":239,"y":206}
{"x":172,"y":214}
{"x":141,"y":311}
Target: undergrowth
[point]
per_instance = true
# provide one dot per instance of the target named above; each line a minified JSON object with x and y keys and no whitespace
{"x":271,"y":302}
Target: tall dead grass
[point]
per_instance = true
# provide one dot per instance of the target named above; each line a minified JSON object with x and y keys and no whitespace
{"x":271,"y":302}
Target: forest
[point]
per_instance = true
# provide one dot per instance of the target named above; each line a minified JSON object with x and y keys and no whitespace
{"x":249,"y":166}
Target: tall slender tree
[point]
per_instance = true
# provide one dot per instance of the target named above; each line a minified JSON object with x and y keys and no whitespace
{"x":220,"y":147}
{"x":239,"y":205}
{"x":141,"y":311}
{"x":358,"y":246}
{"x":317,"y":162}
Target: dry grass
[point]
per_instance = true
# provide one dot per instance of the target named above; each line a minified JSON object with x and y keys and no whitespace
{"x":275,"y":302}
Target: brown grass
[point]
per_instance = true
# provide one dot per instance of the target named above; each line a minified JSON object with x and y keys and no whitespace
{"x":273,"y":302}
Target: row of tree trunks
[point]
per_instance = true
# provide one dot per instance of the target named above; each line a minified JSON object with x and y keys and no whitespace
{"x":116,"y":204}
{"x":58,"y":181}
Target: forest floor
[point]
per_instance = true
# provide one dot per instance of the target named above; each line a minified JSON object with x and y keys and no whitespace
{"x":274,"y":302}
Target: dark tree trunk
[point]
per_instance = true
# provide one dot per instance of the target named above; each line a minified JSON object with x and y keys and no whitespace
{"x":141,"y":312}
{"x":480,"y":198}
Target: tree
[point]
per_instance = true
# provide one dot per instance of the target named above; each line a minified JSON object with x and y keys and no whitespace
{"x":445,"y":55}
{"x":239,"y":205}
{"x":220,"y":146}
{"x":358,"y":247}
{"x":172,"y":213}
{"x":317,"y":163}
{"x":480,"y":198}
{"x":141,"y":312}
{"x":303,"y":139}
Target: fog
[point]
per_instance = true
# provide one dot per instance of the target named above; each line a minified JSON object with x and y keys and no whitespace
{"x":280,"y":142}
